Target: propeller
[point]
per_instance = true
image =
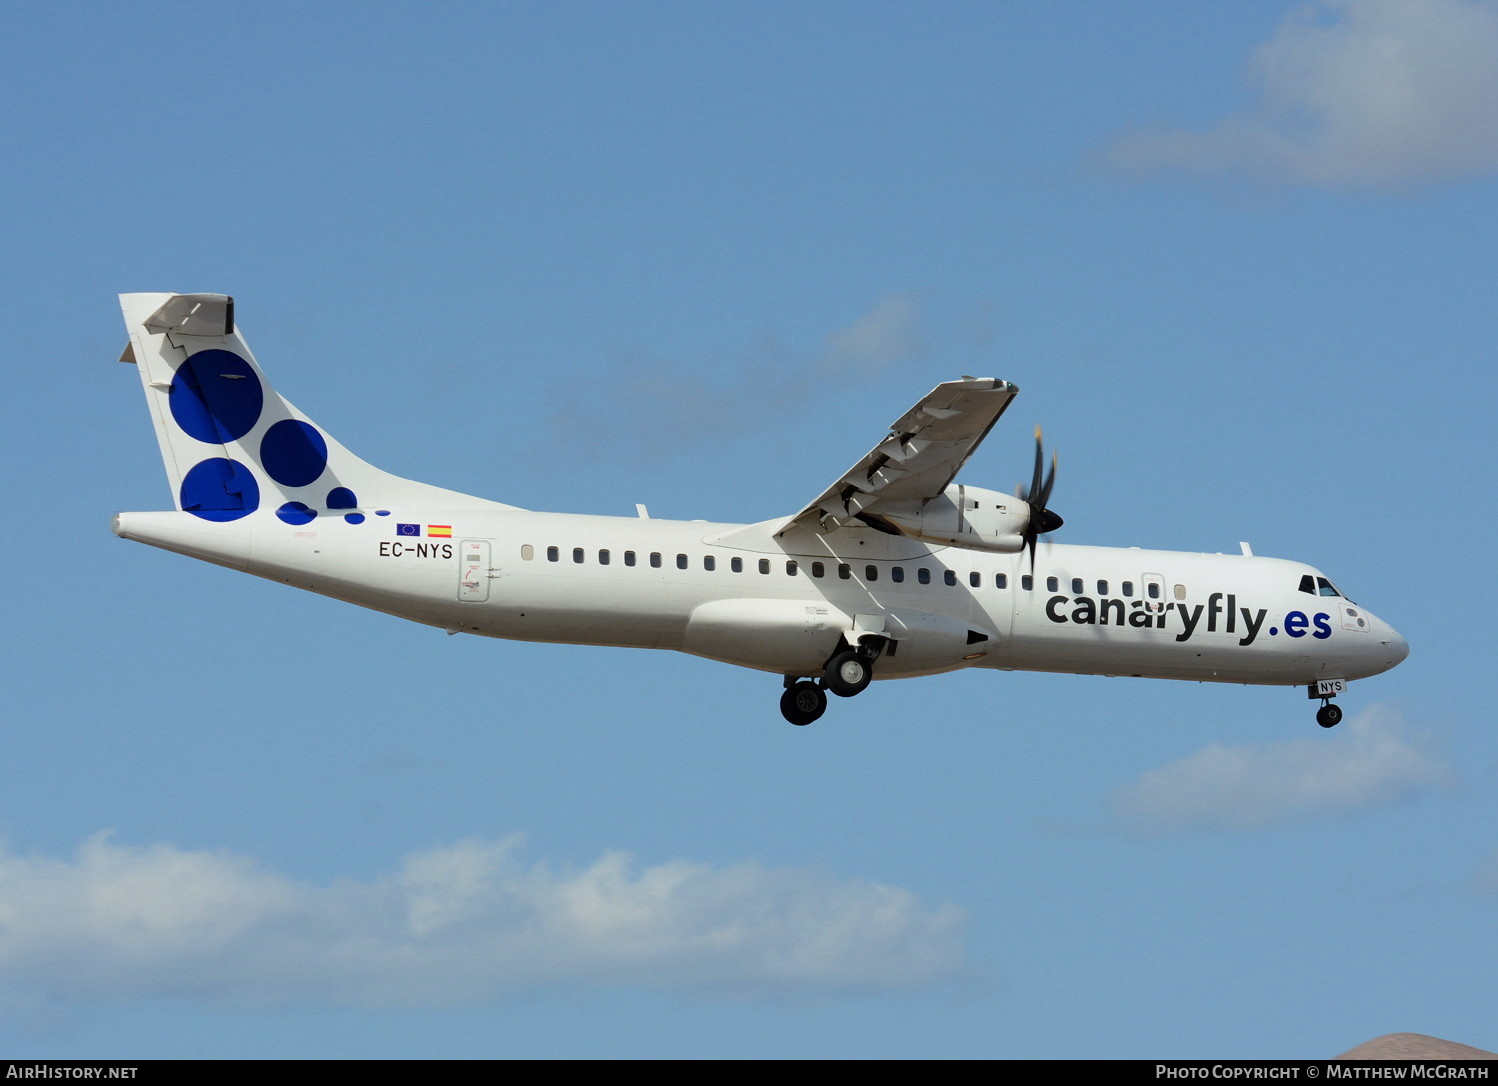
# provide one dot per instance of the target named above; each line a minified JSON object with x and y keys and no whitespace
{"x":1042,"y":520}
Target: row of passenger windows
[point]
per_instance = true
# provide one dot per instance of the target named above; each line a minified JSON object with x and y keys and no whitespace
{"x":1152,"y":589}
{"x":764,"y":565}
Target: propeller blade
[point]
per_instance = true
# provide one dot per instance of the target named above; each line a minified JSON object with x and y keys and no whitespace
{"x":1039,"y":466}
{"x":1050,"y":481}
{"x":1037,"y":495}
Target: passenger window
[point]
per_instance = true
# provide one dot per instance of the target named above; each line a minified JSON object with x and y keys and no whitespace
{"x":1102,"y":588}
{"x":1076,"y":586}
{"x":736,"y":564}
{"x":681,"y":561}
{"x":1152,"y":590}
{"x":817,"y":569}
{"x":553,"y":554}
{"x":923,"y":575}
{"x":1180,"y":591}
{"x":897,"y":574}
{"x":1052,"y":584}
{"x":764,"y":565}
{"x":1128,"y":588}
{"x":975,"y":579}
{"x":843,"y":571}
{"x":527,"y":551}
{"x":709,"y":563}
{"x":629,"y":558}
{"x":1001,"y":580}
{"x":949,"y":578}
{"x":790,"y":567}
{"x":1027,"y":582}
{"x":655,"y":559}
{"x":603,"y":558}
{"x":871,"y":573}
{"x":577,"y":555}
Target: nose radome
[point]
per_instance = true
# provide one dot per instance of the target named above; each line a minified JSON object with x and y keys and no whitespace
{"x":1399,"y":648}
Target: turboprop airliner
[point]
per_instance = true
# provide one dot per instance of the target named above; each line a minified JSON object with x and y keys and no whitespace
{"x":894,"y":571}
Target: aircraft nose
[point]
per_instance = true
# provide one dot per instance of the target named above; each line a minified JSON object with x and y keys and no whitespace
{"x":1396,"y":647}
{"x":1385,"y":649}
{"x":1392,"y":649}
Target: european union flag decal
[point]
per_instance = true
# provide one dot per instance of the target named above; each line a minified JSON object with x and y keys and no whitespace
{"x":408,"y":529}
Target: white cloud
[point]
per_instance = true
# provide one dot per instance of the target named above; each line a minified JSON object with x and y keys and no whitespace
{"x":1355,"y":93}
{"x":457,"y":924}
{"x":1366,"y":762}
{"x":660,"y":407}
{"x":887,"y":334}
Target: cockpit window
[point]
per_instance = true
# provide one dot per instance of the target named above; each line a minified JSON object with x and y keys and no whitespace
{"x":1326,"y":588}
{"x":1319,"y":586}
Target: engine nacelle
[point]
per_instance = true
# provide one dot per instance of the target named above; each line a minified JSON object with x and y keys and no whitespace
{"x":963,"y":516}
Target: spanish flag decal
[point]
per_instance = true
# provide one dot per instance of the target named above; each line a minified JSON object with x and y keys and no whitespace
{"x":440,"y":531}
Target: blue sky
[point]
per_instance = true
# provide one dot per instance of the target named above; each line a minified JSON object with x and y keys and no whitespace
{"x":1240,"y":259}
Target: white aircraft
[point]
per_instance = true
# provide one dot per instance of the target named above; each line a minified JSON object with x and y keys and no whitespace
{"x":893,"y":571}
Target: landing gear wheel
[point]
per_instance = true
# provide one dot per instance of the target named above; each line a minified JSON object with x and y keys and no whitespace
{"x":1329,"y":715}
{"x":848,"y":673}
{"x":803,"y":703}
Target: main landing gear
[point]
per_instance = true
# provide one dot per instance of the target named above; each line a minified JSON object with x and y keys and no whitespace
{"x":847,"y":673}
{"x":1329,"y":715}
{"x":802,"y":701}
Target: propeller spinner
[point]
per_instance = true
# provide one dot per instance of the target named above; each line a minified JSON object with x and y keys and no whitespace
{"x":1042,"y":520}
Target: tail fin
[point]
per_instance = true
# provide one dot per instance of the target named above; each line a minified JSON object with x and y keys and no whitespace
{"x":232,"y":446}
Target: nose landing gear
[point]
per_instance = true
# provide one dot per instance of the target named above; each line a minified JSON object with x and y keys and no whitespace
{"x":1329,"y":715}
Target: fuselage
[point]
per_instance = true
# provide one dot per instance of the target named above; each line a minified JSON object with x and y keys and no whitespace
{"x":783,"y":603}
{"x":893,"y":570}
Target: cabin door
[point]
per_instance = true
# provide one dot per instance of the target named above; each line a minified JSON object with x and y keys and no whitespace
{"x":474,"y":572}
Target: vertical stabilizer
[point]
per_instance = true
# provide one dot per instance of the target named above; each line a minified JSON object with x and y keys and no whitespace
{"x":232,"y":447}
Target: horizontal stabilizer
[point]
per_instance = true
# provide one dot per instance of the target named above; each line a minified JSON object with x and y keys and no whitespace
{"x":194,"y":315}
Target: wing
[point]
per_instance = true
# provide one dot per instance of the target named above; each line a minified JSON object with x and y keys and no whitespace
{"x":925,"y":449}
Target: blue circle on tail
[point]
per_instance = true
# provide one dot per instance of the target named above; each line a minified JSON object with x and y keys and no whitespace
{"x":293,"y":453}
{"x":219,"y":489}
{"x":296,"y":513}
{"x":216,"y":397}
